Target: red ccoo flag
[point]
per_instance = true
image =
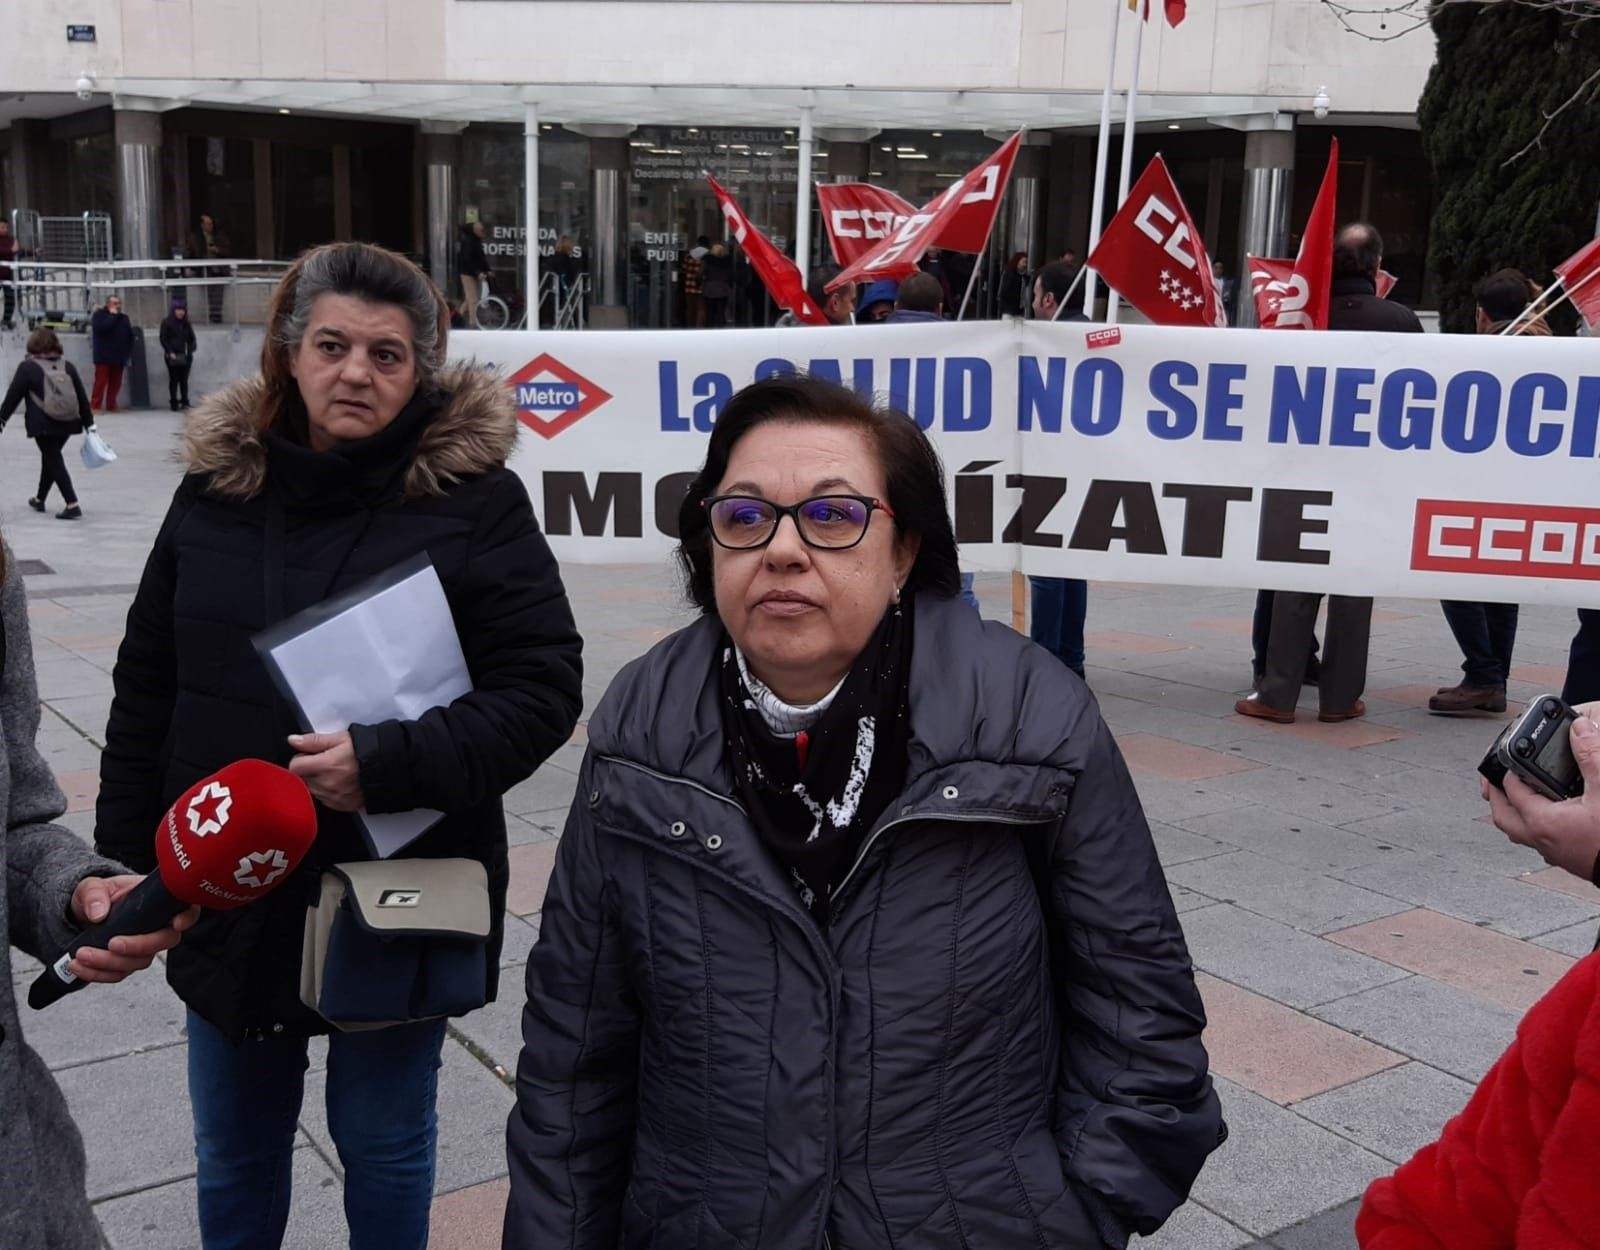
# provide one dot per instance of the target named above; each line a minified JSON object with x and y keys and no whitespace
{"x":959,"y":218}
{"x":858,"y":215}
{"x":778,"y":273}
{"x":1580,"y":279}
{"x":1152,"y":254}
{"x":1293,"y":295}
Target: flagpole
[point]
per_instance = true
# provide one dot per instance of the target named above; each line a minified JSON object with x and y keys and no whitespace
{"x":1097,"y":209}
{"x":1545,"y":304}
{"x":1129,"y":122}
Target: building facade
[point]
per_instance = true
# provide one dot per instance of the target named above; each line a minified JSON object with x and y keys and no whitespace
{"x":291,"y":122}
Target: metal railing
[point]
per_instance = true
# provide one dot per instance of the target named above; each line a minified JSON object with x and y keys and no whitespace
{"x":570,"y":304}
{"x":65,"y":293}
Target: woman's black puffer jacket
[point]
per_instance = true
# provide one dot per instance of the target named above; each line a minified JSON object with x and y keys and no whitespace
{"x":994,"y":1046}
{"x":191,"y":695}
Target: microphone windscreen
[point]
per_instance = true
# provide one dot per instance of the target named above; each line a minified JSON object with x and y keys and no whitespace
{"x":235,"y":835}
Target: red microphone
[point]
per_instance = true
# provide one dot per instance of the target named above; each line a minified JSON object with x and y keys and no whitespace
{"x":229,"y":839}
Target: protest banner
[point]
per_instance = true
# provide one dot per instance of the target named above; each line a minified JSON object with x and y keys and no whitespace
{"x":1364,"y":464}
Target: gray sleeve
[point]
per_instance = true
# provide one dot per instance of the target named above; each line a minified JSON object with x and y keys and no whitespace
{"x":44,"y":862}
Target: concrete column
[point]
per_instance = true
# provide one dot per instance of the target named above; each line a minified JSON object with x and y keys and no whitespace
{"x":608,"y":247}
{"x":441,"y":158}
{"x":1025,"y":225}
{"x":530,"y":209}
{"x":802,"y":204}
{"x":1268,"y":197}
{"x":138,"y":187}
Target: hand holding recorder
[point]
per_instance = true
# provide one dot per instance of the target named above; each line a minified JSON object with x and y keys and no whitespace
{"x":229,"y":839}
{"x":1542,"y":780}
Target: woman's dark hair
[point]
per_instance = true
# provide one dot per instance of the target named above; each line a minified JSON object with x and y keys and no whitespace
{"x":911,"y":470}
{"x":1504,"y":294}
{"x":43,"y":342}
{"x":367,"y":272}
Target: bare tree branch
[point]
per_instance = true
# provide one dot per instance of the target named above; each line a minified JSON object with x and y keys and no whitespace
{"x":1593,"y":80}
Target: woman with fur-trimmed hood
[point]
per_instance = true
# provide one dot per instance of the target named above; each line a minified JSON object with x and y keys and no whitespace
{"x":353,"y":451}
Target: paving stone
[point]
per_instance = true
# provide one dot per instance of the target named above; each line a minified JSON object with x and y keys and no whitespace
{"x":471,"y":1218}
{"x":1296,"y":840}
{"x":1314,"y":759}
{"x":1311,"y":1168}
{"x":1456,"y":888}
{"x":519,"y":939}
{"x":1576,"y":940}
{"x":1178,"y":846}
{"x":1154,"y":755}
{"x":497,"y":1028}
{"x":1563,"y":882}
{"x":1332,"y":1230}
{"x":530,"y":875}
{"x":1280,"y":1053}
{"x":1435,"y":790}
{"x":165,"y":1218}
{"x":1444,"y":1027}
{"x":103,"y":1021}
{"x":149,"y":1090}
{"x":1177,"y":802}
{"x":1276,"y":960}
{"x":1270,"y":887}
{"x":473,"y":1106}
{"x":1394,"y":1113}
{"x":1304,"y":795}
{"x":1192,"y":1227}
{"x":521,"y":830}
{"x":550,"y":787}
{"x":1185,"y":901}
{"x":1450,"y":834}
{"x":1504,"y":970}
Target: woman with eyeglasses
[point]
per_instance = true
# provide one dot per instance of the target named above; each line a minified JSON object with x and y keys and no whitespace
{"x":856,"y":935}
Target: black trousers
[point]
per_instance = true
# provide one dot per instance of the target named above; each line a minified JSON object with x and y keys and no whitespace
{"x":1261,"y":630}
{"x":1583,"y":661}
{"x":53,"y":469}
{"x":1485,"y":632}
{"x":178,"y":381}
{"x":1344,"y":650}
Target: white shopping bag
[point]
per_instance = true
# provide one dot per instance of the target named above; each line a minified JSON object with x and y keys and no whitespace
{"x":96,"y":452}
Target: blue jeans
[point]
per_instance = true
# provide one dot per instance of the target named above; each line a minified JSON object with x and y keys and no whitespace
{"x":1486,"y":633}
{"x":1059,"y":606}
{"x":968,"y":595}
{"x":382,"y":1088}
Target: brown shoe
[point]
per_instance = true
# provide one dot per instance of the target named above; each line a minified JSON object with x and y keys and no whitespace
{"x":1358,"y":709}
{"x":1254,"y":706}
{"x":1455,"y":700}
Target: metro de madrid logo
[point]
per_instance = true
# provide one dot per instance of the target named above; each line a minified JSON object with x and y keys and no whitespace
{"x":551,"y":397}
{"x":208,"y":810}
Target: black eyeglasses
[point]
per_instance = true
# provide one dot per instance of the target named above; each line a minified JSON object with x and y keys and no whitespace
{"x":829,"y":522}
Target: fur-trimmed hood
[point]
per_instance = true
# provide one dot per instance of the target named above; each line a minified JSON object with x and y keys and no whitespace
{"x":475,"y":431}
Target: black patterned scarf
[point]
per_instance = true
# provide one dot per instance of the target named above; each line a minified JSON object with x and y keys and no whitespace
{"x":815,"y":792}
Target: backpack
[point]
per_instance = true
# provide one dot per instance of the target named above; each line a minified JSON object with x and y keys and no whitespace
{"x":59,"y":398}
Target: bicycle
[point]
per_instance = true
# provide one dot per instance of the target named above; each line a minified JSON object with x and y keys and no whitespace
{"x":493,"y":313}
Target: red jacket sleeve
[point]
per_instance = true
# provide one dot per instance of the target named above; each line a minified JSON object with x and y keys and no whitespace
{"x":1493,"y":1173}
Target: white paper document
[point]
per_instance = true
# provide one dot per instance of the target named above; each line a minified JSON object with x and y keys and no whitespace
{"x":391,"y":654}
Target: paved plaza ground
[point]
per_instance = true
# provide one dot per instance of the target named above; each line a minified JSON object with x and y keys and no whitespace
{"x":1366,"y":940}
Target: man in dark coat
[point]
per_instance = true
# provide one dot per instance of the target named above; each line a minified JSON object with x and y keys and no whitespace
{"x":1342,"y":674}
{"x":112,"y":343}
{"x":178,"y":347}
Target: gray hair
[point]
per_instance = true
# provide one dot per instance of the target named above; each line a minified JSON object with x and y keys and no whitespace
{"x":370,"y":273}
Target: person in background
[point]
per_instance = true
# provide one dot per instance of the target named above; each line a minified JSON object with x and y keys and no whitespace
{"x":877,"y":301}
{"x":178,"y":348}
{"x":355,"y":450}
{"x":472,"y":265}
{"x":210,"y":244}
{"x":111,"y":341}
{"x":55,"y":407}
{"x":919,"y":301}
{"x":934,"y":263}
{"x":1487,"y":632}
{"x":1342,"y":674}
{"x":716,"y":285}
{"x":692,"y":267}
{"x":856,"y":935}
{"x":51,"y":887}
{"x":1227,"y":288}
{"x":1014,"y":286}
{"x":8,"y":290}
{"x":839,"y":307}
{"x":565,"y":266}
{"x":1059,"y":606}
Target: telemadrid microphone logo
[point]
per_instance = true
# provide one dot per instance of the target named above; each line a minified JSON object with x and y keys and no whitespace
{"x":249,"y":873}
{"x":208,"y":810}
